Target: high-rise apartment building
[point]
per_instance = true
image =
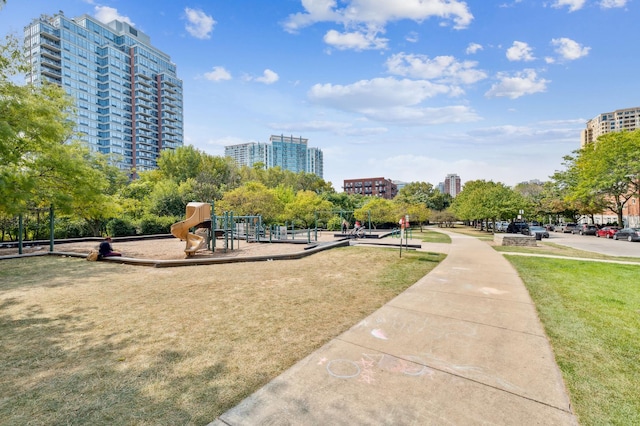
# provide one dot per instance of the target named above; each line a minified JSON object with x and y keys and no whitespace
{"x":248,"y":154}
{"x":315,"y":161}
{"x":287,"y":152}
{"x":128,"y":95}
{"x":452,"y":185}
{"x":616,"y":121}
{"x":373,"y":187}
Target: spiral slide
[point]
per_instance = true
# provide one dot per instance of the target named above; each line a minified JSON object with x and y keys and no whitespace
{"x":197,"y":213}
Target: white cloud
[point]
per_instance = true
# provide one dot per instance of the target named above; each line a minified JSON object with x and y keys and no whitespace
{"x":412,"y":37}
{"x":336,"y":127}
{"x":378,"y":13}
{"x":522,"y":83}
{"x":268,"y":77}
{"x":199,"y":24}
{"x":218,"y":74}
{"x":572,"y":4}
{"x":440,"y":68}
{"x":608,"y":4}
{"x":354,"y":40}
{"x":106,"y":14}
{"x":423,"y":116}
{"x":568,"y":49}
{"x":520,"y":51}
{"x":376,"y":93}
{"x":391,"y":100}
{"x":473,"y":48}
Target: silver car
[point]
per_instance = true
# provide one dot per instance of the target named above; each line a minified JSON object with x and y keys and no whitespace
{"x":541,"y":230}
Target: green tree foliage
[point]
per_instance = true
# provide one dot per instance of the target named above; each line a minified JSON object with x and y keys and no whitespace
{"x":169,"y":198}
{"x":605,"y":173}
{"x":415,"y":192}
{"x":380,"y":210}
{"x":252,"y":199}
{"x":39,"y":165}
{"x":487,"y":201}
{"x":306,"y":206}
{"x":212,"y":175}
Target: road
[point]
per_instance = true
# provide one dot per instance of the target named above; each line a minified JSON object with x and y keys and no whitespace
{"x":591,"y":243}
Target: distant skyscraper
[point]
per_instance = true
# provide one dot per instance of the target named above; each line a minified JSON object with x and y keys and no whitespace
{"x":452,"y":185}
{"x":127,"y":93}
{"x":607,"y":122}
{"x":287,"y":152}
{"x":248,"y":154}
{"x":315,"y":161}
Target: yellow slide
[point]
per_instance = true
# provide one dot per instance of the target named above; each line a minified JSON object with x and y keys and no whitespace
{"x":197,"y":213}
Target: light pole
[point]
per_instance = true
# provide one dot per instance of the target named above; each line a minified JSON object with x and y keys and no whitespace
{"x":636,"y":177}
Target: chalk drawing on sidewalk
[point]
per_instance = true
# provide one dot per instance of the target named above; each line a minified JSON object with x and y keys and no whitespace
{"x":364,"y":370}
{"x":490,"y":290}
{"x":379,"y":334}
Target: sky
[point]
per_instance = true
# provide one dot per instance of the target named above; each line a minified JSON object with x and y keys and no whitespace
{"x":409,"y":90}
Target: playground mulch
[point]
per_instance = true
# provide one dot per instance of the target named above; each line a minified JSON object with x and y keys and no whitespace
{"x":173,"y":248}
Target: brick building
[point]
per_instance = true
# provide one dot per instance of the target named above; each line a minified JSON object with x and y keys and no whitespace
{"x":375,"y":187}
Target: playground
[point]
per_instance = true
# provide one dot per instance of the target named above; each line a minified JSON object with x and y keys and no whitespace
{"x":171,"y":248}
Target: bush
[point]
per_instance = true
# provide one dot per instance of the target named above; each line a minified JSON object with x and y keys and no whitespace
{"x":334,"y":224}
{"x":150,"y":224}
{"x":68,"y":228}
{"x":117,"y":227}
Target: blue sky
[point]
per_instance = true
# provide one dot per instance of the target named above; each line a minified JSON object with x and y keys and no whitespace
{"x":409,"y":90}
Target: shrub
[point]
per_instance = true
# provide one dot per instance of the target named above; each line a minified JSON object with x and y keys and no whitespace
{"x":151,"y":224}
{"x":118,"y":227}
{"x":334,"y":224}
{"x":68,"y":228}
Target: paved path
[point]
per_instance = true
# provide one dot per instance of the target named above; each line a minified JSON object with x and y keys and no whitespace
{"x":462,"y":346}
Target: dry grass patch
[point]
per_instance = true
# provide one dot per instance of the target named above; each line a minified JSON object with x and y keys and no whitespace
{"x":102,"y":343}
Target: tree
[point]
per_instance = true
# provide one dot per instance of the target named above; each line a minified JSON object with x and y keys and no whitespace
{"x":604,"y":174}
{"x":39,"y":163}
{"x":305,"y":208}
{"x":415,"y":192}
{"x":487,"y":201}
{"x":379,"y":210}
{"x":252,"y":199}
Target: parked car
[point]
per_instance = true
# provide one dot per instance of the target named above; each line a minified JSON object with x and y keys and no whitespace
{"x":534,"y":231}
{"x":518,"y":228}
{"x":565,"y":227}
{"x":549,"y":226}
{"x":502,"y":226}
{"x":629,"y":234}
{"x":585,"y":229}
{"x":607,"y":231}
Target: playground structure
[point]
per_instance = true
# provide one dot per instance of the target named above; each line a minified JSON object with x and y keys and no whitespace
{"x":231,"y":229}
{"x":197,"y":215}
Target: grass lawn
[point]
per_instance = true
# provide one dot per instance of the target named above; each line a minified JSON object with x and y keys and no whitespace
{"x":431,"y":236}
{"x":591,"y":313}
{"x":560,"y":250}
{"x":103,"y":343}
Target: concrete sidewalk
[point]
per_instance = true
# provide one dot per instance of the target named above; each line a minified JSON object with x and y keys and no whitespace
{"x":462,"y":346}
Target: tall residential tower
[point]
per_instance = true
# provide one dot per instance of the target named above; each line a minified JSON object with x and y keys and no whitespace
{"x":287,"y":152}
{"x":607,"y":122}
{"x":128,"y":95}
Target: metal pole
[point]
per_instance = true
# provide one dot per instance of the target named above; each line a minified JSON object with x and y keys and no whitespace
{"x":232,"y":224}
{"x":51,"y":228}
{"x":20,"y":231}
